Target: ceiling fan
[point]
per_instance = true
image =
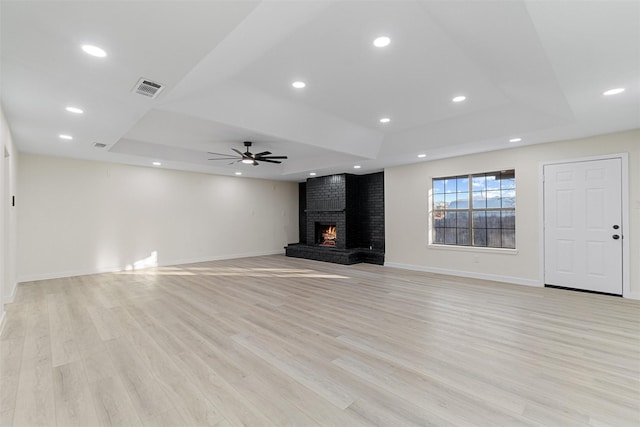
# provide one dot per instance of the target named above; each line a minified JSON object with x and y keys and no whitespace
{"x":249,"y":158}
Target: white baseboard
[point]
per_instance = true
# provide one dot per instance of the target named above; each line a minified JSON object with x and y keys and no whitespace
{"x":224,"y":257}
{"x":469,"y":274}
{"x":63,"y":274}
{"x":166,"y":263}
{"x":3,"y":318}
{"x":8,"y":299}
{"x":631,"y":295}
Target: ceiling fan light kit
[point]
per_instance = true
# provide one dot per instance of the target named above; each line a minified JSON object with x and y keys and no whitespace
{"x":248,"y":157}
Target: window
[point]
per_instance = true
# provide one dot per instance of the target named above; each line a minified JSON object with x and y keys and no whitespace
{"x":475,"y":210}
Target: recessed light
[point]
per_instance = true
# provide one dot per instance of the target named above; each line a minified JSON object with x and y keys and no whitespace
{"x":459,"y":98}
{"x":238,"y":173}
{"x":382,"y":41}
{"x":312,"y":173}
{"x":613,"y":91}
{"x":64,"y":136}
{"x":385,"y":120}
{"x":156,"y":164}
{"x":515,"y":140}
{"x":298,"y":84}
{"x":74,"y":110}
{"x":422,"y":156}
{"x":357,"y":167}
{"x":94,"y":50}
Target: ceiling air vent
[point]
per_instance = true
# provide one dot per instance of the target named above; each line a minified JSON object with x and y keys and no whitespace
{"x":148,"y":88}
{"x":99,"y":145}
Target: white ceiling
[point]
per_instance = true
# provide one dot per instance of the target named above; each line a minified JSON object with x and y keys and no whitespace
{"x":529,"y":69}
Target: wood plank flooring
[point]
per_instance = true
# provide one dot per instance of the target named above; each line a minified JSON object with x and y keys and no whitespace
{"x":275,"y":341}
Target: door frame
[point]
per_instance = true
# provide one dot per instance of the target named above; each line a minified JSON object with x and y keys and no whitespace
{"x":624,"y":163}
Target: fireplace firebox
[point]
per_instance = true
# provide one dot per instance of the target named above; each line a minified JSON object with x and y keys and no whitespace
{"x":326,"y":234}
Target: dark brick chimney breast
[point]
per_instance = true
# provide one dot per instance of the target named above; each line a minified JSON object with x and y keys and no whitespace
{"x":355,"y":205}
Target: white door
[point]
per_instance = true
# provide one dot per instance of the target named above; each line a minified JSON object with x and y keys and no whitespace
{"x":583,"y":225}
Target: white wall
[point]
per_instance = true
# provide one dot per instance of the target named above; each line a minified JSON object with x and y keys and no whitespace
{"x":406,"y":210}
{"x":79,"y":217}
{"x":8,"y":176}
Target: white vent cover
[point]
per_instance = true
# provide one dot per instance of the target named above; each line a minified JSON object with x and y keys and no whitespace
{"x":148,"y":88}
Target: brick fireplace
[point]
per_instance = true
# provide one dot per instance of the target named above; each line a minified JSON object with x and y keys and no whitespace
{"x":354,"y":206}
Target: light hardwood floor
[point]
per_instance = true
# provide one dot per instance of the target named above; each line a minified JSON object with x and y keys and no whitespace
{"x":275,"y":341}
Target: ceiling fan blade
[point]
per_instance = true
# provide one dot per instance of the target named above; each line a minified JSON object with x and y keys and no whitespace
{"x":268,"y":161}
{"x":255,"y":163}
{"x":264,"y":153}
{"x":239,"y":152}
{"x":224,"y":158}
{"x":233,"y":163}
{"x":221,"y":154}
{"x":272,"y":157}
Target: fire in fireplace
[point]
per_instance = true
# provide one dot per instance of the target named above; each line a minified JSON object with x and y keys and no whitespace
{"x":326,"y":234}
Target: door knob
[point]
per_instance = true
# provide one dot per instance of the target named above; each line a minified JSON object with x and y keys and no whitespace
{"x":615,"y":236}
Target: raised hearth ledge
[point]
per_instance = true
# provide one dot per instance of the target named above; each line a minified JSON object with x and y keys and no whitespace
{"x":334,"y":255}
